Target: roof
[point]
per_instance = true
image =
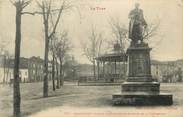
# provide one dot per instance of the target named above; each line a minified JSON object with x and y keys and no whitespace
{"x":36,"y":59}
{"x":169,"y":63}
{"x":118,"y":57}
{"x":23,"y":63}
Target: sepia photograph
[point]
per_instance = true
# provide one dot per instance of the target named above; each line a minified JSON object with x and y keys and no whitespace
{"x":91,"y":58}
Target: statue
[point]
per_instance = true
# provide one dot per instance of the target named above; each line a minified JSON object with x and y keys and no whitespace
{"x":140,"y":88}
{"x":137,"y":24}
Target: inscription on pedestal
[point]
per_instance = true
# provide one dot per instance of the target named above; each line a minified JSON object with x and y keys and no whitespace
{"x":139,"y":63}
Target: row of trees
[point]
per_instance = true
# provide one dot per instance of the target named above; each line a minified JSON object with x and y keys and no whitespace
{"x":59,"y":47}
{"x":6,"y":57}
{"x":50,"y":25}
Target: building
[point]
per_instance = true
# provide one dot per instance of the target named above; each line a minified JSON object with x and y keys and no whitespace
{"x":30,"y":69}
{"x":179,"y":75}
{"x":167,"y":71}
{"x":6,"y":69}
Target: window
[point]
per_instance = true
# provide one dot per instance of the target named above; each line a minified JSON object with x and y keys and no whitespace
{"x":157,"y":72}
{"x":20,"y":74}
{"x":34,"y":72}
{"x":25,"y":73}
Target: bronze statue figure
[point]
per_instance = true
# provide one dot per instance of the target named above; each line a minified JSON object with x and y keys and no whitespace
{"x":137,"y":24}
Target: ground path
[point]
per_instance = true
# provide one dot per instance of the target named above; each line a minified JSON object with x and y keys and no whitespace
{"x":80,"y":101}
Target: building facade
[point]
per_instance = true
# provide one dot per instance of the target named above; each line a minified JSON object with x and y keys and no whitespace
{"x":170,"y":71}
{"x":30,"y":70}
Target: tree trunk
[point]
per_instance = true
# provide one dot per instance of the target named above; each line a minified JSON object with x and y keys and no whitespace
{"x":36,"y":74}
{"x":94,"y":72}
{"x":16,"y":85}
{"x":53,"y":72}
{"x":98,"y":70}
{"x":4,"y":67}
{"x":103,"y":70}
{"x":45,"y":83}
{"x":61,"y":73}
{"x":58,"y":81}
{"x":7,"y":74}
{"x":115,"y":67}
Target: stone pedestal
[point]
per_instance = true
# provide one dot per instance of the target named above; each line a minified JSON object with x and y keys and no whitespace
{"x":141,"y":98}
{"x":148,"y":87}
{"x":140,"y":88}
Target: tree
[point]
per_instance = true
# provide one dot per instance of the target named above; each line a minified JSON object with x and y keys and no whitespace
{"x":150,"y":31}
{"x":152,"y":35}
{"x":70,"y":67}
{"x":19,"y":5}
{"x":92,"y":48}
{"x":6,"y":57}
{"x":62,"y":47}
{"x":120,"y":32}
{"x":6,"y":65}
{"x":52,"y":49}
{"x":46,"y":12}
{"x":57,"y":74}
{"x":180,"y":3}
{"x":54,"y":52}
{"x":5,"y":54}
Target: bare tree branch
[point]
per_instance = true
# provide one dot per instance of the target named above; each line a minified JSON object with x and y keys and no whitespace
{"x":119,"y":31}
{"x":14,"y":3}
{"x":39,"y":4}
{"x":151,"y":31}
{"x":32,"y":13}
{"x":92,"y":48}
{"x":49,"y":9}
{"x":62,"y":45}
{"x":58,"y":18}
{"x":25,"y":3}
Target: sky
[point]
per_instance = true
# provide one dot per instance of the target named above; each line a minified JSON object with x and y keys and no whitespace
{"x":167,"y":44}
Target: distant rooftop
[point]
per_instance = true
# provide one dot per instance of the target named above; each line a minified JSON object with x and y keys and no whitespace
{"x":112,"y":57}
